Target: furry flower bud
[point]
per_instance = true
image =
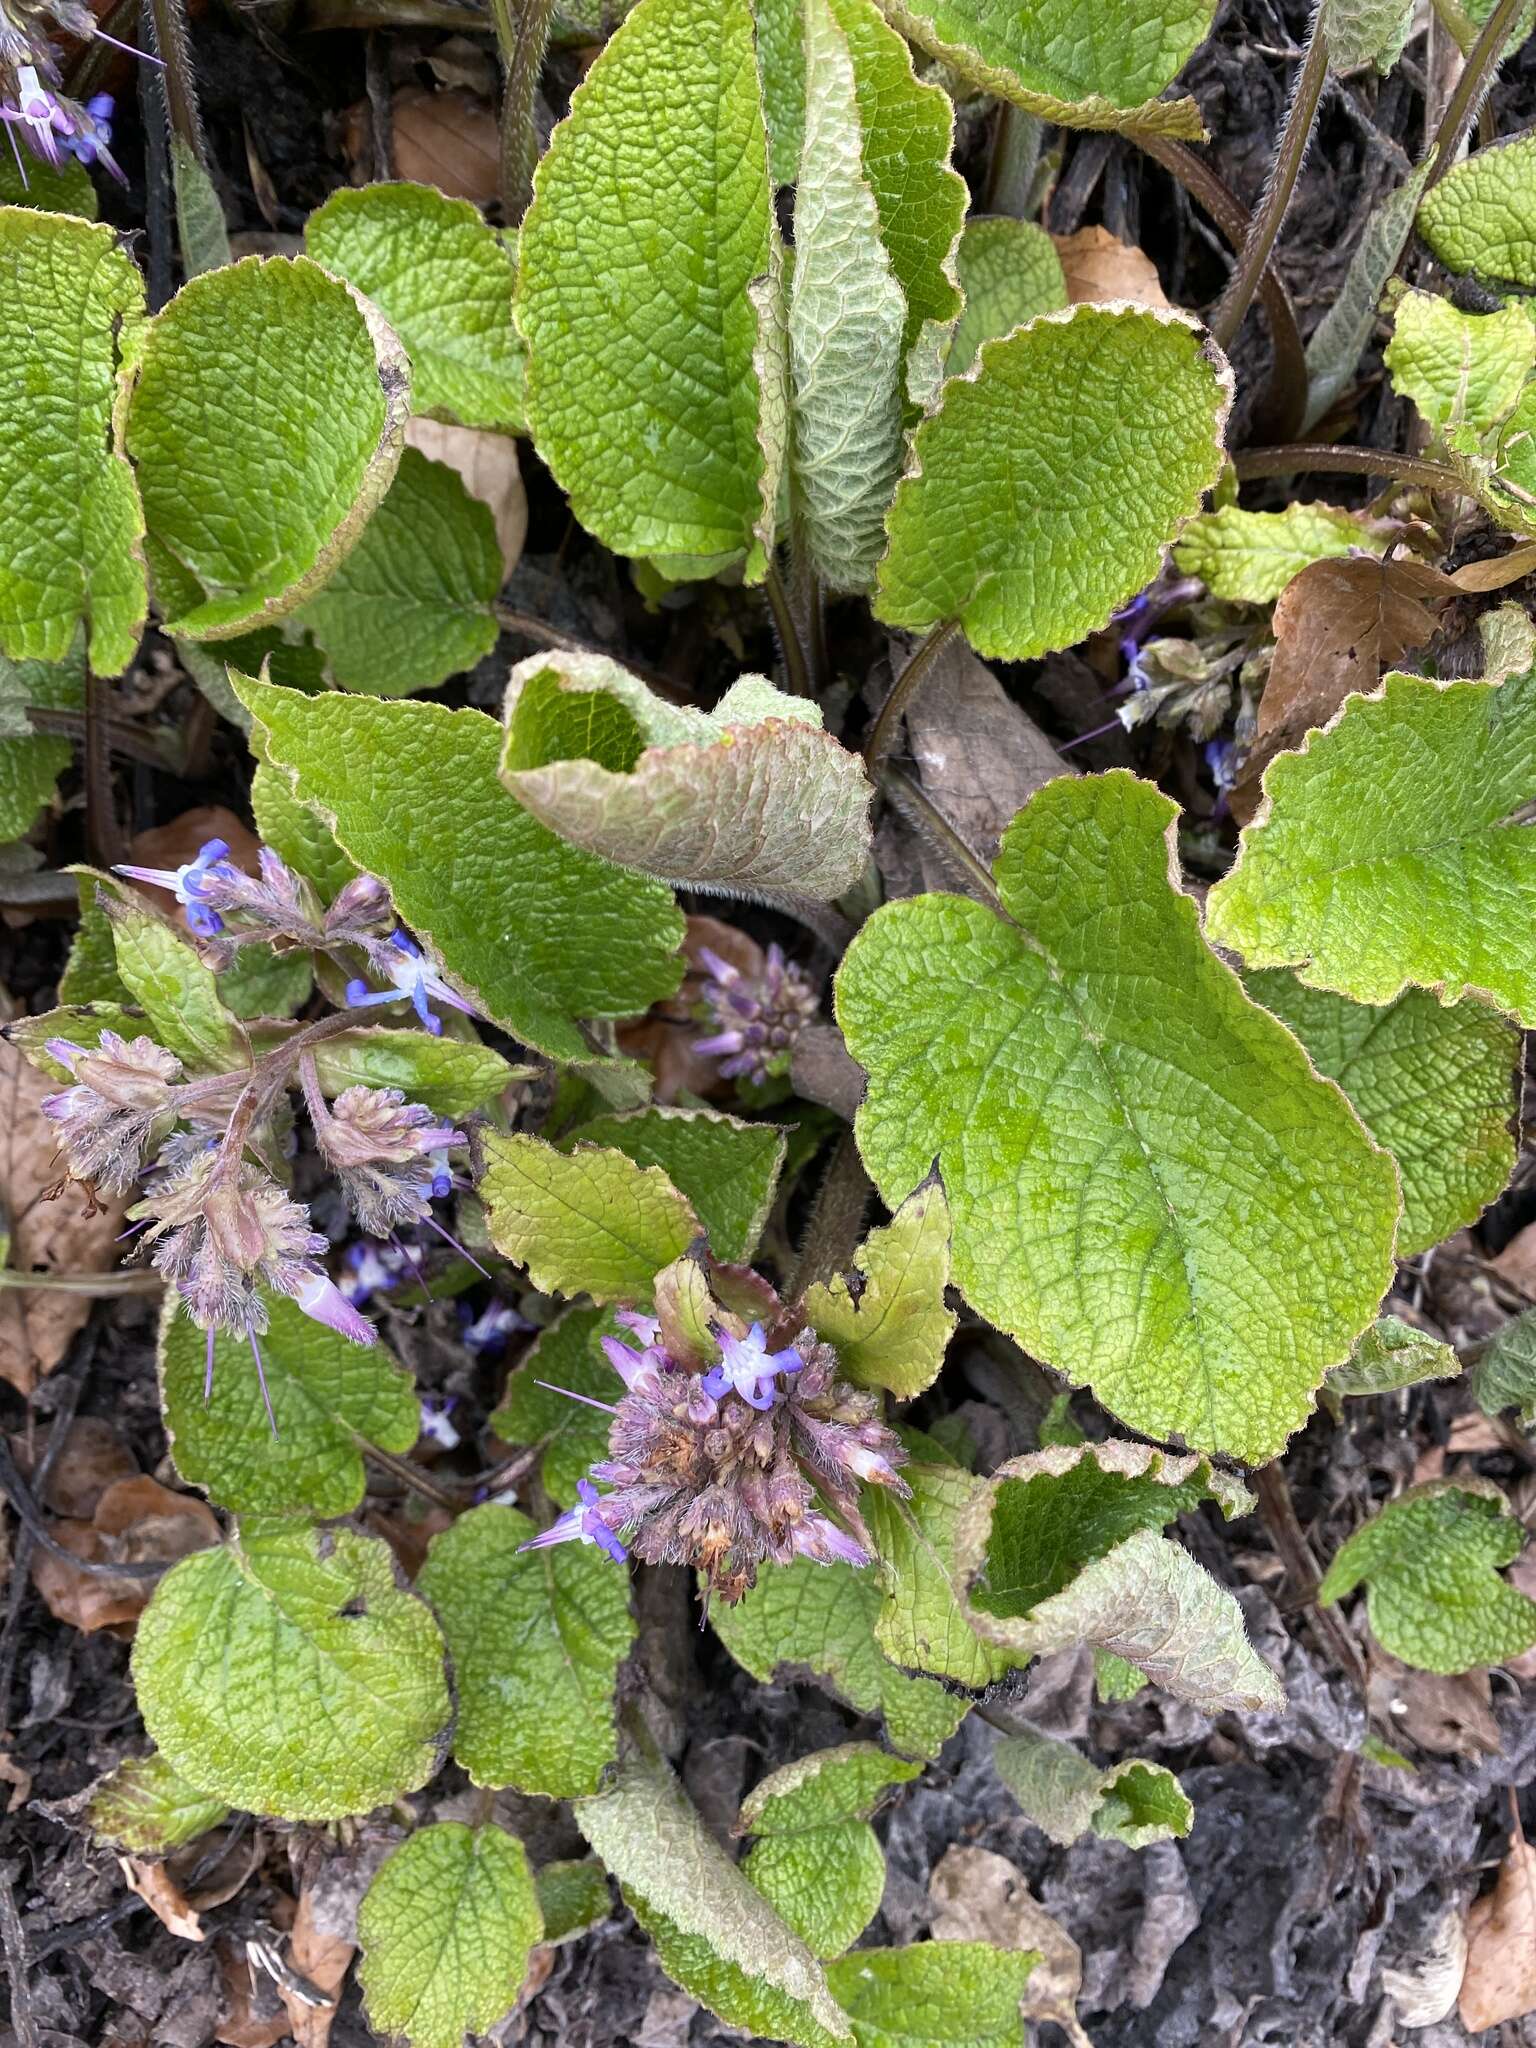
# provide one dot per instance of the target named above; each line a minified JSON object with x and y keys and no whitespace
{"x":757,"y":1018}
{"x":120,"y":1104}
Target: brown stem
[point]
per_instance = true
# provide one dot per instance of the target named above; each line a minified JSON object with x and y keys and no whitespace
{"x":836,"y":1221}
{"x":100,"y":816}
{"x":269,"y":1077}
{"x":1476,"y":77}
{"x":1301,"y":1569}
{"x":924,"y":815}
{"x":1285,"y":402}
{"x":1302,"y":457}
{"x":409,"y":1475}
{"x":882,"y":735}
{"x":513,"y":621}
{"x":179,"y":79}
{"x":1286,"y":168}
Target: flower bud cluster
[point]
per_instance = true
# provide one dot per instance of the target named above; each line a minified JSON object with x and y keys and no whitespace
{"x":724,"y":1470}
{"x":757,"y":1018}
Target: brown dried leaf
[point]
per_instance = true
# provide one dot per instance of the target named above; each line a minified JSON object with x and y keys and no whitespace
{"x":1339,"y":626}
{"x":136,"y":1520}
{"x":1098,"y":267}
{"x":979,"y":1896}
{"x":980,"y":757}
{"x":448,"y":139}
{"x":664,"y":1036}
{"x":487,"y":466}
{"x":1444,"y":1716}
{"x":322,"y":1961}
{"x":254,"y":2015}
{"x":163,"y":1896}
{"x":1500,"y":1983}
{"x":60,"y":1236}
{"x":93,"y":1457}
{"x":1516,"y":1264}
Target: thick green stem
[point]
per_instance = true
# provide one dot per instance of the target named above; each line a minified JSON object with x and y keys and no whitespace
{"x":882,"y":735}
{"x":1476,"y":77}
{"x":1284,"y":171}
{"x":522,"y":30}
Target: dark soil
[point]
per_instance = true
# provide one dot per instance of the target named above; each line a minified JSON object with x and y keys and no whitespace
{"x":1309,"y":1870}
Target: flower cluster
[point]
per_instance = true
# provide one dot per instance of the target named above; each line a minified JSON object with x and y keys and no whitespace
{"x":51,"y":124}
{"x":756,"y":1018}
{"x":726,"y":1469}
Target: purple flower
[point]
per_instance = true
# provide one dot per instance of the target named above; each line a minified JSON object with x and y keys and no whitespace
{"x":818,"y":1537}
{"x":389,"y":1155}
{"x":492,"y":1327}
{"x":748,"y":1368}
{"x":413,"y":976}
{"x":119,"y":1104}
{"x":634,"y":1367}
{"x":190,"y":884}
{"x":374,"y":1269}
{"x":583,"y":1524}
{"x":757,"y":1018}
{"x":39,"y":113}
{"x":323,"y":1302}
{"x":435,"y":1423}
{"x":93,"y":133}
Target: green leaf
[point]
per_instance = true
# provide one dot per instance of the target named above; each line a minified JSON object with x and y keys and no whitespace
{"x":1382,"y":858}
{"x":83,"y":1024}
{"x":1362,"y":32}
{"x":1452,"y":1142}
{"x":257,"y":483}
{"x":1062,"y":1547}
{"x":728,"y":1170}
{"x":260,"y":982}
{"x":1393,"y":1354}
{"x":446,"y":1929}
{"x":781,"y":62}
{"x":90,"y":974}
{"x":818,"y":1860}
{"x":326,"y":1394}
{"x":643,"y":390}
{"x":537,"y":1638}
{"x":452,"y":1076}
{"x":846,"y":316}
{"x":587,"y":1222}
{"x":821,"y":1619}
{"x":444,"y":281}
{"x":907,"y":130}
{"x":1249,"y":557}
{"x":71,"y":527}
{"x":921,"y":1625}
{"x":1066,"y":1796}
{"x":1505,"y":1376}
{"x":146,"y":1808}
{"x":566,"y":1355}
{"x":1464,"y":371}
{"x":1430,"y":1562}
{"x":1114,"y":1679}
{"x":940,"y":1994}
{"x":1340,"y":337}
{"x":65,"y":188}
{"x":177,"y":992}
{"x":414,"y":601}
{"x":894,"y":1331}
{"x":31,"y":763}
{"x":1010,"y":274}
{"x":1477,"y":218}
{"x":573,"y":1897}
{"x":1044,"y":57}
{"x":540,"y":932}
{"x":1149,"y":1186}
{"x":668,"y":1865}
{"x":200,"y":225}
{"x":292,"y":830}
{"x":753,"y":795}
{"x":289,"y":1674}
{"x":1044,"y":490}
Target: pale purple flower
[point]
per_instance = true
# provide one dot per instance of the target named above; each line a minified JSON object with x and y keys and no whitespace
{"x":414,"y":978}
{"x":748,"y":1368}
{"x":492,"y":1327}
{"x":757,"y":1017}
{"x":190,"y":884}
{"x":370,"y":1269}
{"x":38,"y":113}
{"x":360,"y":905}
{"x":436,"y":1425}
{"x":581,"y":1524}
{"x":323,"y":1302}
{"x":389,"y":1155}
{"x":818,"y":1537}
{"x":634,"y":1367}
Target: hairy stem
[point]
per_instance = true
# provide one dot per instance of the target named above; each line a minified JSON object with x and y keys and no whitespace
{"x":1322,"y":457}
{"x":178,"y":78}
{"x":882,"y":735}
{"x":1286,"y":168}
{"x":1284,"y":405}
{"x":795,"y":664}
{"x":1476,"y":77}
{"x":924,"y":816}
{"x":100,"y":814}
{"x":836,"y":1221}
{"x":523,"y":35}
{"x":1295,"y":1553}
